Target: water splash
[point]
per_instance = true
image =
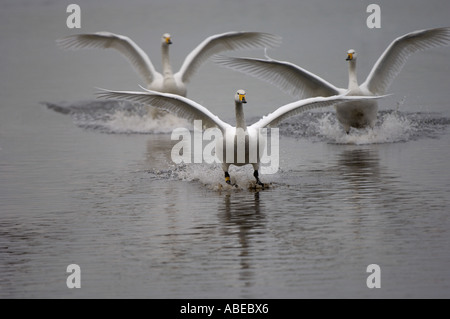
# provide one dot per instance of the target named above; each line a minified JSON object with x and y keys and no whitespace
{"x":391,"y":127}
{"x":119,"y":117}
{"x":126,"y":122}
{"x":211,"y":176}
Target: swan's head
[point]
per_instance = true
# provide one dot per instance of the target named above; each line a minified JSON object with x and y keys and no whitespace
{"x":240,"y":97}
{"x":166,"y":39}
{"x":351,"y":55}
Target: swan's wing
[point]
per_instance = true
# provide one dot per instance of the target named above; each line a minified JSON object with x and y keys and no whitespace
{"x":292,"y":109}
{"x":175,"y":104}
{"x":123,"y":44}
{"x":394,"y":57}
{"x":224,"y":42}
{"x":288,"y":77}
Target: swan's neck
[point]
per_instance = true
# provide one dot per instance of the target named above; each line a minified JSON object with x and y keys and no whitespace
{"x":240,"y":119}
{"x":352,"y":79}
{"x":167,"y":69}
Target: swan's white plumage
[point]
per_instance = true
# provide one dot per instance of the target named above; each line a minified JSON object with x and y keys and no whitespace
{"x":168,"y":82}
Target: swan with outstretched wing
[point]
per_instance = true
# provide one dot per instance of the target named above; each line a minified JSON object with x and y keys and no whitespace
{"x":168,"y":81}
{"x":242,"y":137}
{"x":302,"y":83}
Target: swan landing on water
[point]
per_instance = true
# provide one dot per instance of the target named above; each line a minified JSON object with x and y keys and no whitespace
{"x":168,"y":81}
{"x":191,"y":111}
{"x":302,"y":83}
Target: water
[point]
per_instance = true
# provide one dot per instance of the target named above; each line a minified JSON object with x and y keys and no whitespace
{"x":91,"y":183}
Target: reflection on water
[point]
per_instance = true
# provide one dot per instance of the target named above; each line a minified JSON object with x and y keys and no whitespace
{"x":359,"y":169}
{"x":158,"y":153}
{"x":92,"y":183}
{"x":241,"y":216}
{"x":359,"y":163}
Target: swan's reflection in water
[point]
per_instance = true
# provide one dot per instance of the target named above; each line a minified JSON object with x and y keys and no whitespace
{"x":242,"y":220}
{"x":359,"y":169}
{"x":158,"y":153}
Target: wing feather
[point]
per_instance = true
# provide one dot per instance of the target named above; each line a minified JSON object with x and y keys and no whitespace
{"x":288,"y":77}
{"x":396,"y":54}
{"x":105,"y":40}
{"x":175,"y":104}
{"x":295,"y":108}
{"x":224,"y":42}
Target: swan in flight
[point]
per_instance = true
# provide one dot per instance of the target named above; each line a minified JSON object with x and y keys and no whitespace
{"x":168,"y":81}
{"x":302,"y":83}
{"x":243,"y":136}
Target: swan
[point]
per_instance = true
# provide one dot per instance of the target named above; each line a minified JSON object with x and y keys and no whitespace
{"x":168,"y":81}
{"x":191,"y":111}
{"x":302,"y":83}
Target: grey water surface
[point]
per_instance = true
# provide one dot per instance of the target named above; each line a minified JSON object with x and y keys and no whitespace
{"x":92,"y":183}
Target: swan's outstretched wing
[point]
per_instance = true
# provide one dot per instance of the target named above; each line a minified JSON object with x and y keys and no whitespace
{"x":123,"y":44}
{"x":292,"y":109}
{"x":394,"y":57}
{"x":224,"y":42}
{"x":175,"y":104}
{"x":288,"y":77}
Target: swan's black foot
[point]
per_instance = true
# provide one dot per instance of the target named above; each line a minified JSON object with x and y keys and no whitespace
{"x":258,"y":182}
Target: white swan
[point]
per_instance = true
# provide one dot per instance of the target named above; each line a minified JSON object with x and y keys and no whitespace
{"x":301,"y":83}
{"x":190,"y":110}
{"x":168,"y":81}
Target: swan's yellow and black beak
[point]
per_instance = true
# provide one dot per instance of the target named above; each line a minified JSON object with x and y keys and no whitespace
{"x":349,"y":56}
{"x":168,"y":40}
{"x":242,"y":98}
